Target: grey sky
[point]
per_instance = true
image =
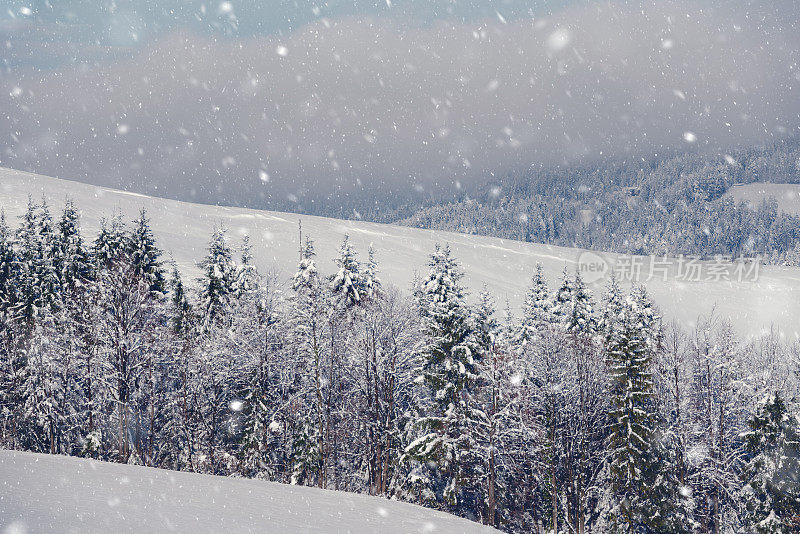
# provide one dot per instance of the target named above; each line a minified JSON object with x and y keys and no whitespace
{"x":232,"y":102}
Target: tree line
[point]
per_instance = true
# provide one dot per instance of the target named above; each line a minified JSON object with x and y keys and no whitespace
{"x":579,"y":416}
{"x":670,"y":205}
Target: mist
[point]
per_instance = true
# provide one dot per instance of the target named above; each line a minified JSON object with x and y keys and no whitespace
{"x":356,"y":106}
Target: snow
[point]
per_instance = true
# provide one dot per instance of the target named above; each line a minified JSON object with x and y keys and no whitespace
{"x":786,"y":195}
{"x":505,"y":266}
{"x":44,"y":493}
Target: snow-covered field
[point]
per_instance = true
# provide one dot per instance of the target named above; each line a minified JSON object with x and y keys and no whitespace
{"x":504,"y":266}
{"x":44,"y":493}
{"x":786,"y":195}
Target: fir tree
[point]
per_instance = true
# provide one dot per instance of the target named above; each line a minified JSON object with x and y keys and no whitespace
{"x":8,"y":266}
{"x":537,"y":309}
{"x":109,"y":245}
{"x":563,"y":302}
{"x":771,"y":494}
{"x":631,"y":417}
{"x":219,"y":276}
{"x":181,"y":315}
{"x":372,"y":284}
{"x":247,"y":276}
{"x":144,"y":254}
{"x":72,"y":260}
{"x":449,"y":372}
{"x":347,"y":284}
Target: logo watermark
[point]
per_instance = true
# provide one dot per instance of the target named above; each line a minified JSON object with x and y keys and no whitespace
{"x":594,"y":267}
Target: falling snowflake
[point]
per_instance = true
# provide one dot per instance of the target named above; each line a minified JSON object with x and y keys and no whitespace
{"x":558,"y":40}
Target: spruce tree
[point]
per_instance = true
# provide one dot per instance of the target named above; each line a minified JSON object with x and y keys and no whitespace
{"x":581,"y":320}
{"x":181,"y":313}
{"x":347,"y":284}
{"x":247,"y":276}
{"x":771,"y":492}
{"x":8,"y":266}
{"x":308,"y":326}
{"x":372,"y":287}
{"x":563,"y":302}
{"x":144,"y":254}
{"x":110,"y":244}
{"x":449,"y":372}
{"x":631,"y":418}
{"x":72,"y":260}
{"x":537,"y":309}
{"x":219,"y":276}
{"x":47,"y":275}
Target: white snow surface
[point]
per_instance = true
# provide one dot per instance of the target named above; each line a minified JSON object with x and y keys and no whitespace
{"x":786,"y":195}
{"x":44,"y":493}
{"x":505,"y":266}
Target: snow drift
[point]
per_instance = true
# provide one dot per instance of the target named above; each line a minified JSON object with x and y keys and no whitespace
{"x":44,"y":493}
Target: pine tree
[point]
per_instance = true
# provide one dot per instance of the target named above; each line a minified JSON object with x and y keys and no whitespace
{"x":449,"y":372}
{"x":537,"y":309}
{"x":308,"y":327}
{"x":8,"y":266}
{"x":247,"y":276}
{"x":771,"y":492}
{"x":71,"y":260}
{"x":372,"y":284}
{"x":144,"y":254}
{"x":219,"y":276}
{"x":347,"y":284}
{"x":631,"y":417}
{"x":581,"y":320}
{"x":110,"y":244}
{"x":563,"y":302}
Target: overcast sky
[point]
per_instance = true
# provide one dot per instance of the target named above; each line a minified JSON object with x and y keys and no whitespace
{"x":249,"y":102}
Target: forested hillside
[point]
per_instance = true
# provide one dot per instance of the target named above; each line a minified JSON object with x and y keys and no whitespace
{"x":586,"y":413}
{"x":668,"y":205}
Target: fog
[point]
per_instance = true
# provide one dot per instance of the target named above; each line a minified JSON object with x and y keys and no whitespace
{"x":366,"y":104}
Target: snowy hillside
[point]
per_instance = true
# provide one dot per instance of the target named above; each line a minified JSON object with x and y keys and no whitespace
{"x":183,"y":230}
{"x":786,"y":195}
{"x":43,"y":493}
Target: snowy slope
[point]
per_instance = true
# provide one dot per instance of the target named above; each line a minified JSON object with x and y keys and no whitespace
{"x":505,"y":266}
{"x":786,"y":195}
{"x":43,"y":493}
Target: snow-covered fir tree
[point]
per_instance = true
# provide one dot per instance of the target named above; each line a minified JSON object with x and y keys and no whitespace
{"x":308,"y":328}
{"x":144,"y":254}
{"x":440,"y":453}
{"x":632,"y":419}
{"x":72,"y":261}
{"x":372,"y":286}
{"x":537,"y":308}
{"x":110,"y":244}
{"x":771,"y":491}
{"x":219,"y":278}
{"x":347,"y":284}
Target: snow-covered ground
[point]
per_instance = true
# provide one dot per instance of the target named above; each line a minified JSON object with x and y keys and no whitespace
{"x":44,"y":493}
{"x":504,"y":266}
{"x":786,"y":195}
